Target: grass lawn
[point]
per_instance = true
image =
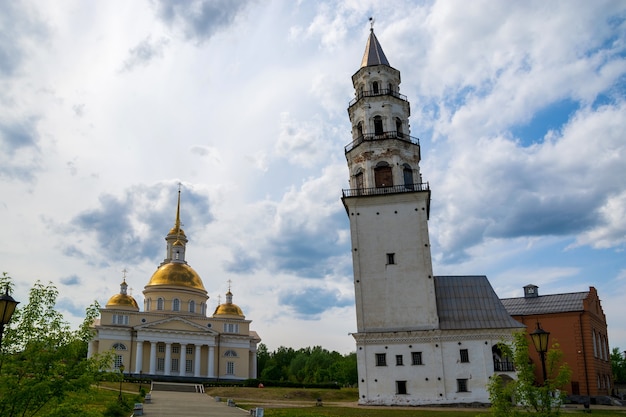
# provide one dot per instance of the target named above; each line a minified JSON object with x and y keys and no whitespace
{"x":290,"y":402}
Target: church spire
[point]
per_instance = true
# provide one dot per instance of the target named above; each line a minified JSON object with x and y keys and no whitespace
{"x":176,"y":239}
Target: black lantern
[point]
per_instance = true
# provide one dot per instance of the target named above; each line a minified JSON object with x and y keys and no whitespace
{"x":121,"y":380}
{"x":7,"y":308}
{"x":540,"y":340}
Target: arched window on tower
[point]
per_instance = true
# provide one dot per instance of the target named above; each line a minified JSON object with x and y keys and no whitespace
{"x":358,"y":180}
{"x":160,"y":303}
{"x":399,"y":128}
{"x":192,"y":306}
{"x":390,"y":89}
{"x":148,"y":303}
{"x":359,"y":130}
{"x":407,"y":172}
{"x":176,"y":304}
{"x":375,"y":87}
{"x":378,"y":125}
{"x":382,"y":175}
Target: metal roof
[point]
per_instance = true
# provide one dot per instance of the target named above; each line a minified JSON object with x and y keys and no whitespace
{"x":545,"y":304}
{"x":469,"y":302}
{"x":374,"y":54}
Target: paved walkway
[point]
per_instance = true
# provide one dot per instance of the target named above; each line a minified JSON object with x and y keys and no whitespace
{"x":188,"y":404}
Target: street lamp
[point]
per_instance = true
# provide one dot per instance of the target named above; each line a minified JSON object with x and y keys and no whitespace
{"x":121,"y":380}
{"x":540,"y":340}
{"x":7,"y":308}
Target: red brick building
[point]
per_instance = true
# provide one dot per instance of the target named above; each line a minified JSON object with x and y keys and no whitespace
{"x":576,"y":321}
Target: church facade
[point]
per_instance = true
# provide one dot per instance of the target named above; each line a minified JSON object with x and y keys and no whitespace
{"x":421,"y":339}
{"x":174,"y":337}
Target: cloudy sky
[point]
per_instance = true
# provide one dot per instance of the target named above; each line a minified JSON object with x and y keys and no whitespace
{"x":106,"y":106}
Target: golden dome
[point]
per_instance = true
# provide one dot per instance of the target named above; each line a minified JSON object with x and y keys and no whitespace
{"x":228,"y":310}
{"x":177,"y":274}
{"x":122,"y":301}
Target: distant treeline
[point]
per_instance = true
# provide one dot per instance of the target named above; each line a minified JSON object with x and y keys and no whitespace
{"x":311,"y":365}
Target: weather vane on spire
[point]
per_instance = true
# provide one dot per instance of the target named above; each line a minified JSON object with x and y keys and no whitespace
{"x":372,"y":20}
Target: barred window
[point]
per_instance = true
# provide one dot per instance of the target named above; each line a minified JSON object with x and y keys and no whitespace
{"x":461,"y":385}
{"x":464,"y":355}
{"x":416,"y":358}
{"x":381,"y":359}
{"x":399,"y":360}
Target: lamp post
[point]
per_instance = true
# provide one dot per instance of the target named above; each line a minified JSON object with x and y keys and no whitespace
{"x":121,"y":380}
{"x":7,"y":308}
{"x":540,"y":340}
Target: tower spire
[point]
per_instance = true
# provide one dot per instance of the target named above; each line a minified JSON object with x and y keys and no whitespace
{"x":374,"y":54}
{"x":177,"y":222}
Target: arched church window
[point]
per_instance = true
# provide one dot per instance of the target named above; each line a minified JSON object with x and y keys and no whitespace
{"x":382,"y":175}
{"x":399,"y":127}
{"x":407,"y":172}
{"x":119,"y":346}
{"x":176,"y":304}
{"x":230,"y":354}
{"x":148,"y":303}
{"x":160,"y":303}
{"x":375,"y":87}
{"x":378,"y":125}
{"x":192,"y":306}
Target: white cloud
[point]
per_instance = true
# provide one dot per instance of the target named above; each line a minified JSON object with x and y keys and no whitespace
{"x":246,"y":104}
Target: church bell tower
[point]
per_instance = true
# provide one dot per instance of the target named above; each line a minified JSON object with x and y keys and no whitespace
{"x":388,"y":205}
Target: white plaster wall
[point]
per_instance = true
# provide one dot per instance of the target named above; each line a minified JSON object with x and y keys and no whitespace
{"x":434,"y":382}
{"x":399,"y":296}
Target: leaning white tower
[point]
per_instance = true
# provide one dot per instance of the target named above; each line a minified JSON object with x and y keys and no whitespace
{"x":420,"y":339}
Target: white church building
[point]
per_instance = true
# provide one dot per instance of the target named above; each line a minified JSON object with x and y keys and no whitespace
{"x":174,"y":337}
{"x":421,"y":339}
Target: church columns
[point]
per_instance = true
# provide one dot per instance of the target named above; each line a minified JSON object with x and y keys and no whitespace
{"x":168,"y":358}
{"x":211,"y":361}
{"x":153,"y":346}
{"x":139,"y":357}
{"x":196,"y":370}
{"x":182,"y":368}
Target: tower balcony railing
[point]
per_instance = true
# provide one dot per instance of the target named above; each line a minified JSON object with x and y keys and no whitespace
{"x":375,"y":93}
{"x":394,"y":189}
{"x":393,"y":134}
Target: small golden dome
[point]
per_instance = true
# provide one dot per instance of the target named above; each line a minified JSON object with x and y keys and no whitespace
{"x":228,"y":310}
{"x":177,"y":274}
{"x":124,"y":301}
{"x":177,"y":231}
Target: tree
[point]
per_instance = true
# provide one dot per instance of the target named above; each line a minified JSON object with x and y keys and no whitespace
{"x":544,"y":400}
{"x":42,"y":358}
{"x":618,"y":365}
